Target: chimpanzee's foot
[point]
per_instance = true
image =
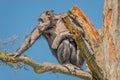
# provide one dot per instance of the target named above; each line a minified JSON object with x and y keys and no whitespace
{"x":71,"y":68}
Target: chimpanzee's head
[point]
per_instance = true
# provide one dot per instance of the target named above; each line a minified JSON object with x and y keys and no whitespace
{"x":46,"y":16}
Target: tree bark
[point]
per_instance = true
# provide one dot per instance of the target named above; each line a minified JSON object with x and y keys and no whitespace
{"x":106,"y":47}
{"x":105,"y":44}
{"x":111,"y":39}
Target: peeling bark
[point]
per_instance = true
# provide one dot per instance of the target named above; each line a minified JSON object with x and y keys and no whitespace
{"x":109,"y":23}
{"x":86,"y":23}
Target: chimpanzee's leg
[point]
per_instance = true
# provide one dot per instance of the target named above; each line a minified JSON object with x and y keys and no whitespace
{"x":76,"y":56}
{"x":64,"y":53}
{"x":80,"y":59}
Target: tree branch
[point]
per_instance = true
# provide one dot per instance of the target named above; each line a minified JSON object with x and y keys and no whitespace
{"x":45,"y":67}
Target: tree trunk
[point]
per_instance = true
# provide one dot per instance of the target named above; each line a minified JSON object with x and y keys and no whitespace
{"x":105,"y":44}
{"x":111,"y":39}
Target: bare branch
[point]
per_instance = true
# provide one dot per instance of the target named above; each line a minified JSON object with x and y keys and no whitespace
{"x":45,"y":67}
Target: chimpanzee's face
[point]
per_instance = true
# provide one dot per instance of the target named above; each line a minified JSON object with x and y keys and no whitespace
{"x":45,"y":16}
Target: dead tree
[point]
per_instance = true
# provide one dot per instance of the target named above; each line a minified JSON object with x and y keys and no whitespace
{"x":100,"y":48}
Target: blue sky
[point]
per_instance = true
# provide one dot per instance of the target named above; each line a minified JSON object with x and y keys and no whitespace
{"x":19,"y":17}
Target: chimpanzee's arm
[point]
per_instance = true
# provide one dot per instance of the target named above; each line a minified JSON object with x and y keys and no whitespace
{"x":29,"y":41}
